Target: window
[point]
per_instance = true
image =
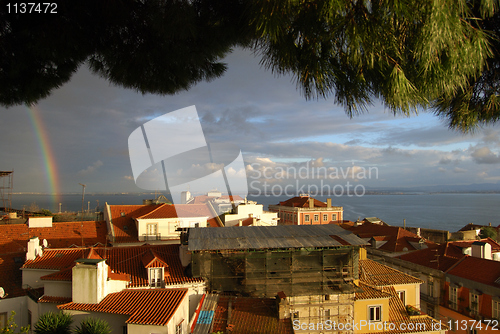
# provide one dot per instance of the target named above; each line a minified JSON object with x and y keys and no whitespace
{"x":3,"y":320}
{"x":402,"y":295}
{"x":295,"y":314}
{"x":453,"y":298}
{"x":306,"y":218}
{"x":495,"y":310}
{"x":316,"y":218}
{"x":178,"y":328}
{"x":430,"y":288}
{"x":327,"y":314}
{"x":325,"y":217}
{"x":155,"y":277}
{"x":374,"y":313}
{"x":430,"y":310}
{"x":474,"y":303}
{"x":334,"y":216}
{"x":151,"y":231}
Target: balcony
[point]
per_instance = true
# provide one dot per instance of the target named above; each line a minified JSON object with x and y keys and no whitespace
{"x":429,"y":299}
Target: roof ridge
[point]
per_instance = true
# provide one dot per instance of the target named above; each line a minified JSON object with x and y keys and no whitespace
{"x":457,"y":263}
{"x":155,"y":209}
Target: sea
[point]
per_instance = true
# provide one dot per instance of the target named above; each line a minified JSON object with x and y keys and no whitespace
{"x":444,"y":211}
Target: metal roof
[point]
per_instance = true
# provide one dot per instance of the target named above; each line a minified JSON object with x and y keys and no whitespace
{"x":259,"y":237}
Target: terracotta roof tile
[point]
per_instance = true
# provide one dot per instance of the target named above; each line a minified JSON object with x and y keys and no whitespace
{"x":259,"y":314}
{"x":11,"y":278}
{"x":402,"y":322}
{"x":376,"y":274}
{"x":65,"y":234}
{"x":441,"y":257}
{"x":121,"y":260}
{"x":302,"y":202}
{"x":478,"y":270}
{"x":444,"y":256}
{"x":179,"y":210}
{"x":54,"y":300}
{"x":398,"y":239}
{"x":371,"y":293}
{"x":145,"y":307}
{"x":122,"y":220}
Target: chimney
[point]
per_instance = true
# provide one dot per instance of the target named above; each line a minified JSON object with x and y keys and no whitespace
{"x":34,"y":249}
{"x":311,"y":203}
{"x":481,"y":250}
{"x":89,"y":282}
{"x":184,"y":255}
{"x":240,"y":222}
{"x":328,"y":202}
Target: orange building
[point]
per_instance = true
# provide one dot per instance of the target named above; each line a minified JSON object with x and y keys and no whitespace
{"x":305,"y":210}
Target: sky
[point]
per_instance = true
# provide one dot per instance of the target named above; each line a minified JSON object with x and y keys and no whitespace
{"x":79,"y":135}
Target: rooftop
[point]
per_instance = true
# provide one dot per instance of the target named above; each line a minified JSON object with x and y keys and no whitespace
{"x":145,"y":307}
{"x":121,"y":260}
{"x":444,"y":256}
{"x":477,"y":270}
{"x":247,"y":315}
{"x":375,"y":274}
{"x":302,"y":202}
{"x":397,"y":239}
{"x":258,"y":237}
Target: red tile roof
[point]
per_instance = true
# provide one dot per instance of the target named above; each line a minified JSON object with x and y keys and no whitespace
{"x":375,"y":274}
{"x":122,"y":220}
{"x":11,"y":278}
{"x":54,"y":300}
{"x":123,"y":217}
{"x":179,"y":210}
{"x":65,"y":234}
{"x":371,"y":293}
{"x":444,"y":256}
{"x":302,"y":202}
{"x":121,"y":260}
{"x":145,"y":307}
{"x":478,"y":270}
{"x":257,"y":314}
{"x":398,"y":239}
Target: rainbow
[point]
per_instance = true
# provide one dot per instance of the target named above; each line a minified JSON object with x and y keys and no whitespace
{"x":46,"y":153}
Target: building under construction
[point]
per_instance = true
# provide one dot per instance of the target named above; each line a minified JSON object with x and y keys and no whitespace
{"x":6,"y":185}
{"x":314,"y":266}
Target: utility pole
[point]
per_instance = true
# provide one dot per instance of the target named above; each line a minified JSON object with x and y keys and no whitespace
{"x":83,"y":195}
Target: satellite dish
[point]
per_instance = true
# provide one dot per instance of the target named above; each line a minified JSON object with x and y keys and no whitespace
{"x":45,"y":243}
{"x":2,"y":293}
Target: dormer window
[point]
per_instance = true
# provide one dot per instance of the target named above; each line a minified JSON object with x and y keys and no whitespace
{"x":155,"y":277}
{"x":156,"y":268}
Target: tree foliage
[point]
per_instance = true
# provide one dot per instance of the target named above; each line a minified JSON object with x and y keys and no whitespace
{"x":10,"y":326}
{"x":437,"y":54}
{"x":93,"y":326}
{"x":488,"y":232}
{"x":54,"y":323}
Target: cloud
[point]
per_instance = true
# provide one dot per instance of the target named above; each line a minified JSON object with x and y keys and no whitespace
{"x":483,"y":155}
{"x":92,"y":168}
{"x":459,"y":170}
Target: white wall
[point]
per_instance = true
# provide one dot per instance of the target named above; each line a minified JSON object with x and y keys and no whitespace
{"x":18,"y":305}
{"x":31,"y":277}
{"x":57,"y":288}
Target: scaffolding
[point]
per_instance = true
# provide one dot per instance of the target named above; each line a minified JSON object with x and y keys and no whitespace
{"x":265,"y":272}
{"x":6,"y":186}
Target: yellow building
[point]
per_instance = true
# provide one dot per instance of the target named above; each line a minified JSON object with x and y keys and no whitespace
{"x":389,"y":302}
